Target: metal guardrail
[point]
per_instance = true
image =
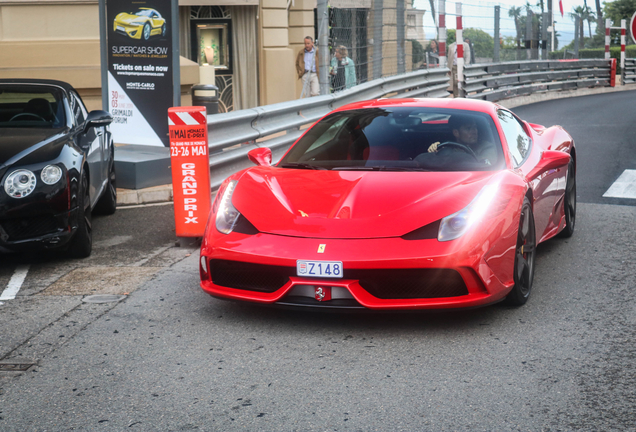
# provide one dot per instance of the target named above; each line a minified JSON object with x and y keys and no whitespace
{"x":232,"y":135}
{"x":496,"y":81}
{"x":629,"y":74}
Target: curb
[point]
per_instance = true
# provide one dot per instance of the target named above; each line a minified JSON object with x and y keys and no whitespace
{"x":156,"y":194}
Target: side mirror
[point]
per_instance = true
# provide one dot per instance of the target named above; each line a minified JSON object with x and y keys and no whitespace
{"x":550,"y":159}
{"x":260,"y":156}
{"x":97,"y":118}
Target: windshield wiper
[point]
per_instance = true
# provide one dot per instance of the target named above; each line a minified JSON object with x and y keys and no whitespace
{"x":301,"y":166}
{"x":378,"y":168}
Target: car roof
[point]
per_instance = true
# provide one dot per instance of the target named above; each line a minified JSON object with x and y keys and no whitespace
{"x":447,"y":103}
{"x":66,"y":86}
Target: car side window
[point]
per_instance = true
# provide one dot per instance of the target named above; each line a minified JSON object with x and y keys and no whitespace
{"x":518,"y":141}
{"x":79,"y":112}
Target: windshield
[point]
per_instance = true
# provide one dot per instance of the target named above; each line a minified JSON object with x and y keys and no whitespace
{"x":31,"y":106}
{"x":399,"y":139}
{"x":144,"y":12}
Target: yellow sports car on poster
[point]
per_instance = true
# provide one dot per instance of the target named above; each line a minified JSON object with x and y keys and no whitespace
{"x":142,"y":24}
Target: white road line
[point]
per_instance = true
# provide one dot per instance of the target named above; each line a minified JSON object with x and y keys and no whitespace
{"x":624,"y":186}
{"x":15,"y":283}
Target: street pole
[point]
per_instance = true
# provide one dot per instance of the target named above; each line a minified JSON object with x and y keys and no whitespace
{"x":401,"y":63}
{"x":377,"y":39}
{"x":496,"y":53}
{"x":103,"y":53}
{"x":323,"y":46}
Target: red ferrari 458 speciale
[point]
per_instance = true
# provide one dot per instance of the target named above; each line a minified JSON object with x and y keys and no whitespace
{"x":394,"y":204}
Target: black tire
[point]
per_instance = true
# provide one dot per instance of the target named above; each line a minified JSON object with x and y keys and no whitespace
{"x":81,"y":244}
{"x":163,"y":30}
{"x":569,"y":202}
{"x":145,"y":33}
{"x":107,"y":204}
{"x":524,"y":257}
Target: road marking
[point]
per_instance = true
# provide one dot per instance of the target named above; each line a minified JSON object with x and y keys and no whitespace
{"x":624,"y":186}
{"x":15,"y":283}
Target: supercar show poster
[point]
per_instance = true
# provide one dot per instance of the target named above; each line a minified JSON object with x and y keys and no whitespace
{"x":139,"y":70}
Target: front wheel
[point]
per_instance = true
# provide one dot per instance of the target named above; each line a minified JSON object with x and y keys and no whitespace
{"x":81,"y":245}
{"x":524,"y":257}
{"x":146,"y":31}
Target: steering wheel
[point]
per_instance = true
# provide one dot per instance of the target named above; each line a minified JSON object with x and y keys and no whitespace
{"x":28,"y":115}
{"x":463,"y":147}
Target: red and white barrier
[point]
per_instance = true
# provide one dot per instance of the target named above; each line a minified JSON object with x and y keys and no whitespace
{"x":460,"y":50}
{"x":608,"y":26}
{"x":190,"y":163}
{"x":442,"y":33}
{"x":622,"y":28}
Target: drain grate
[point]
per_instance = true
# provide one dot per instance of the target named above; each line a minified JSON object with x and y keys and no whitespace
{"x":15,"y":367}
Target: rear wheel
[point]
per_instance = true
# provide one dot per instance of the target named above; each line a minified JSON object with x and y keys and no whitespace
{"x":107,"y":204}
{"x":524,"y":257}
{"x":82,"y":243}
{"x":569,"y":202}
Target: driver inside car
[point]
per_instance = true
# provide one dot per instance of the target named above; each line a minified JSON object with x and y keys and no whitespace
{"x":466,"y":133}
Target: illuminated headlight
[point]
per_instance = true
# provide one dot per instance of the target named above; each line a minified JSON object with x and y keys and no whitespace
{"x":51,"y":174}
{"x":20,"y":183}
{"x":457,"y":224}
{"x":227,"y":215}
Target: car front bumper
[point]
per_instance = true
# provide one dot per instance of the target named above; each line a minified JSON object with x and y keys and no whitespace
{"x":386,"y":273}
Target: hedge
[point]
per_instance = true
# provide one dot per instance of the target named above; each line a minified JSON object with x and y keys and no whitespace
{"x":599,"y":53}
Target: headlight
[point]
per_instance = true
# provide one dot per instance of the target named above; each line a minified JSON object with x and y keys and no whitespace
{"x":135,"y":23}
{"x":51,"y":174}
{"x":20,"y":183}
{"x":227,"y":215}
{"x":456,"y":225}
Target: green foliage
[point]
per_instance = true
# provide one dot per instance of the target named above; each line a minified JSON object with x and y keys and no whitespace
{"x":450,"y":36}
{"x":616,"y":11}
{"x":483,"y":43}
{"x":418,"y":51}
{"x":599,"y":53}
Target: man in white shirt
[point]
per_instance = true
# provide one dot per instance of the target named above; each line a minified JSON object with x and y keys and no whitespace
{"x":307,"y":68}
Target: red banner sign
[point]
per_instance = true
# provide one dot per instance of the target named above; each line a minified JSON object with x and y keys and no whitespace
{"x":190,"y":169}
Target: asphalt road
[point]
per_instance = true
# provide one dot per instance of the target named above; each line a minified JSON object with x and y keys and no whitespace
{"x":169,"y":357}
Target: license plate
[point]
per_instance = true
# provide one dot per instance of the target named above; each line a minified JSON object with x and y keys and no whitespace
{"x":328,"y":269}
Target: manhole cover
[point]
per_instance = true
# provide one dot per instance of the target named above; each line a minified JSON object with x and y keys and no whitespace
{"x":15,"y":367}
{"x":103,"y":298}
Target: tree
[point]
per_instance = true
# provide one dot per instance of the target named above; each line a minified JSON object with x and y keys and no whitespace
{"x":515,"y":13}
{"x":618,"y":10}
{"x":483,"y":43}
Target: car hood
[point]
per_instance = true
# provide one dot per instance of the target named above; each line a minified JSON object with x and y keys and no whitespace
{"x":27,"y":146}
{"x":351,"y":204}
{"x":125,"y":18}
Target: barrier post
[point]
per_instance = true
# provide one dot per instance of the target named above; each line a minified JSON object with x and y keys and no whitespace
{"x":623,"y":41}
{"x":441,"y":48}
{"x":190,"y":164}
{"x":613,"y":72}
{"x":608,"y":25}
{"x":460,"y":50}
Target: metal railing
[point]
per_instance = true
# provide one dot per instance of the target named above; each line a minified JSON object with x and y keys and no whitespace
{"x":231,"y":135}
{"x":629,"y":74}
{"x":496,"y":81}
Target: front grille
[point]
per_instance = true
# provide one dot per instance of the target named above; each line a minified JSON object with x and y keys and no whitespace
{"x":248,"y":276}
{"x":21,"y":229}
{"x":409,"y":283}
